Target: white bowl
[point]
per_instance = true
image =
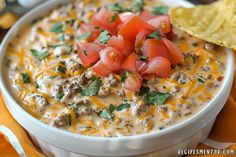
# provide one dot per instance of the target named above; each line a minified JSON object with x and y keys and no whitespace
{"x":56,"y":142}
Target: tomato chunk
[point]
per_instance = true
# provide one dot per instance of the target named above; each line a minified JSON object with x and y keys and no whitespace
{"x":112,"y":58}
{"x":146,"y":15}
{"x":159,"y":66}
{"x":130,"y":62}
{"x":176,"y":56}
{"x":125,"y":16}
{"x":141,"y":66}
{"x":101,"y":69}
{"x":125,"y":46}
{"x":88,"y":52}
{"x":133,"y":83}
{"x":154,"y":48}
{"x":85,"y":28}
{"x":161,"y":22}
{"x":140,"y":38}
{"x":132,"y":26}
{"x":103,"y":19}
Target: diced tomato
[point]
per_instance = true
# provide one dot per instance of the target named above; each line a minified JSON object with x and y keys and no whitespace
{"x":125,"y":46}
{"x":103,"y":19}
{"x":88,"y":52}
{"x":112,"y":58}
{"x":161,"y":22}
{"x":140,"y":38}
{"x":95,"y":31}
{"x":159,"y":66}
{"x":141,"y":66}
{"x":101,"y":69}
{"x":133,"y":83}
{"x":146,"y":15}
{"x":154,"y":48}
{"x":132,"y":26}
{"x":176,"y":56}
{"x":130,"y":62}
{"x":125,"y":16}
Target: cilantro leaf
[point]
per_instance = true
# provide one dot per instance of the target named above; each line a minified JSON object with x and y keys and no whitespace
{"x":25,"y":77}
{"x":159,"y":10}
{"x":92,"y":89}
{"x":123,"y":106}
{"x":61,"y":37}
{"x":61,"y":69}
{"x":142,"y":57}
{"x":156,"y":98}
{"x":59,"y":96}
{"x":105,"y":114}
{"x":154,"y":35}
{"x":84,"y":36}
{"x":39,"y":55}
{"x":57,"y":28}
{"x":137,"y":6}
{"x":200,"y":80}
{"x":144,"y":90}
{"x":123,"y":76}
{"x":115,"y":7}
{"x":112,"y":108}
{"x":113,"y":18}
{"x":104,"y":37}
{"x":68,"y":47}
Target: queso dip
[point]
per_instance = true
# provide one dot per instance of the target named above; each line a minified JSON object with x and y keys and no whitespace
{"x":112,"y":68}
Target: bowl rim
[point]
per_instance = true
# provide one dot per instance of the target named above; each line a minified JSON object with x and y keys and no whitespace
{"x":6,"y":92}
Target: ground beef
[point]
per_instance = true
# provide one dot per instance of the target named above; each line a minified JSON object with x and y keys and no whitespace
{"x":111,"y":81}
{"x":63,"y":120}
{"x":104,"y":91}
{"x":181,"y":77}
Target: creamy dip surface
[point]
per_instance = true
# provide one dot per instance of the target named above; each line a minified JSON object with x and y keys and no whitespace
{"x":46,"y":76}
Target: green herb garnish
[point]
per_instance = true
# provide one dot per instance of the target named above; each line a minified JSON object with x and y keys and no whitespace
{"x":142,"y":57}
{"x":92,"y":89}
{"x":200,"y":80}
{"x":123,"y":106}
{"x":105,"y":114}
{"x":113,"y":18}
{"x":112,"y":108}
{"x":143,"y":91}
{"x":156,"y":98}
{"x":104,"y":37}
{"x":36,"y":85}
{"x":159,"y":10}
{"x":84,"y":36}
{"x":68,"y":47}
{"x":61,"y":37}
{"x":137,"y":6}
{"x":57,"y":28}
{"x":84,"y":52}
{"x":59,"y":96}
{"x":123,"y":76}
{"x":61,"y":69}
{"x":115,"y":7}
{"x":39,"y":55}
{"x":154,"y":35}
{"x":25,"y":77}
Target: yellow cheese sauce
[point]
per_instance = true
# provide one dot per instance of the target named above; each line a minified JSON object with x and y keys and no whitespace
{"x":49,"y":88}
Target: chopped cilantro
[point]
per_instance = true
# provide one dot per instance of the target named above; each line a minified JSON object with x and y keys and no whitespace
{"x":104,"y":37}
{"x":92,"y":89}
{"x":123,"y":76}
{"x":158,"y":10}
{"x":25,"y":77}
{"x":105,"y":114}
{"x":115,"y":7}
{"x":154,"y":35}
{"x":84,"y":52}
{"x":39,"y":55}
{"x":137,"y":6}
{"x":200,"y":80}
{"x":36,"y":85}
{"x":113,"y":18}
{"x":59,"y":96}
{"x":111,"y":108}
{"x":142,"y":57}
{"x":123,"y":106}
{"x":61,"y":37}
{"x":68,"y":47}
{"x":84,"y":36}
{"x":144,"y":90}
{"x":61,"y":69}
{"x":57,"y":28}
{"x":156,"y":98}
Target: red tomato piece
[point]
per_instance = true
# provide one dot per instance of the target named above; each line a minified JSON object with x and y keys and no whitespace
{"x":161,"y":22}
{"x":103,"y":19}
{"x":125,"y":16}
{"x":112,"y":58}
{"x":176,"y":56}
{"x":159,"y":66}
{"x":132,"y":26}
{"x":146,"y":15}
{"x":125,"y":46}
{"x":95,"y":31}
{"x":133,"y":83}
{"x":154,"y":48}
{"x":140,"y":38}
{"x":141,"y":66}
{"x":101,"y":69}
{"x":130,"y":62}
{"x":88,"y":52}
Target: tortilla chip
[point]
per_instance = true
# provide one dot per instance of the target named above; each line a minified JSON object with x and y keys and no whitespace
{"x":215,"y":23}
